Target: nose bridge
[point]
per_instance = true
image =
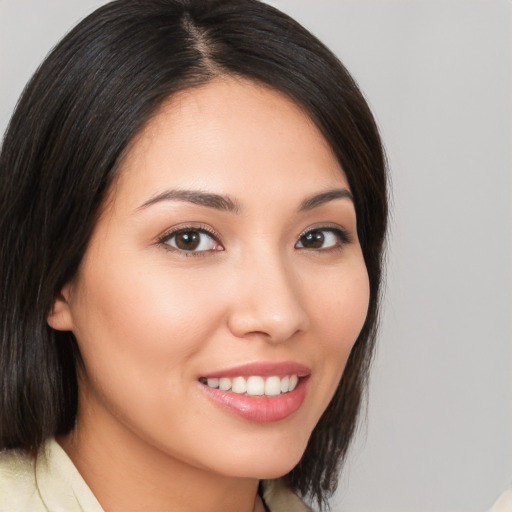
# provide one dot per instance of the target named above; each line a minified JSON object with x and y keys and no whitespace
{"x":269,"y":299}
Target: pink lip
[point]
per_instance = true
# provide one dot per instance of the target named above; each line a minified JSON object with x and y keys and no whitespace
{"x":260,"y":409}
{"x":261,"y":369}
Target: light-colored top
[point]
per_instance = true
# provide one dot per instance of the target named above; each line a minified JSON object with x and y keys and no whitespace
{"x":51,"y":483}
{"x":504,"y":504}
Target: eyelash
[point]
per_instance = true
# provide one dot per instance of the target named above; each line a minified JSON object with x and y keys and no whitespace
{"x":343,"y":238}
{"x":169,"y":235}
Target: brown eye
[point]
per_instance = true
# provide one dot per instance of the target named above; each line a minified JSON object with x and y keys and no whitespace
{"x":312,"y":240}
{"x":325,"y":238}
{"x":188,"y":240}
{"x":192,"y":240}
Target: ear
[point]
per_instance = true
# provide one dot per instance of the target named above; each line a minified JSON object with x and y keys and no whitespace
{"x":60,"y":317}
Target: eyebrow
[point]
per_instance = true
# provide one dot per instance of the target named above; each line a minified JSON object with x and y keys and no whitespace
{"x":216,"y":201}
{"x":325,"y":197}
{"x":225,"y":203}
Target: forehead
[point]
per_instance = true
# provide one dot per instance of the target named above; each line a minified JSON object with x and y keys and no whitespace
{"x":230,"y":135}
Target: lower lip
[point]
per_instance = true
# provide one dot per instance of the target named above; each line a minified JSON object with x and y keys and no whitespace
{"x":260,"y":409}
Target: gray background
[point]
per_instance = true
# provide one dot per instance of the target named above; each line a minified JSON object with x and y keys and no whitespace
{"x":438,"y":76}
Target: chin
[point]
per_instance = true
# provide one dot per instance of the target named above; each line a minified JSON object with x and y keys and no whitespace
{"x":264,"y":464}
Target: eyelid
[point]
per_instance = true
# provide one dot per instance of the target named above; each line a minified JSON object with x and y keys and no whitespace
{"x":333,"y":228}
{"x":188,"y":226}
{"x":341,"y":233}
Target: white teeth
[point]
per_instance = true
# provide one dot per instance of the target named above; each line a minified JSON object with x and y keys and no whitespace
{"x":239,"y":385}
{"x":254,"y":385}
{"x":213,"y":383}
{"x":285,"y":384}
{"x":224,"y":384}
{"x":273,"y":386}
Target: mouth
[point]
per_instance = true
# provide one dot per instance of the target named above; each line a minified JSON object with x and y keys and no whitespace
{"x":253,"y":385}
{"x":260,"y":392}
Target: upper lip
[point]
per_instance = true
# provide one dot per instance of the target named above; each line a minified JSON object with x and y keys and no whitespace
{"x":262,"y":369}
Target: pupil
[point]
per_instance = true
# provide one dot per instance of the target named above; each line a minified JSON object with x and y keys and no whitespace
{"x":313,"y":240}
{"x":188,"y":240}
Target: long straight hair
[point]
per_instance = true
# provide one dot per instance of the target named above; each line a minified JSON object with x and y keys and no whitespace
{"x":72,"y":125}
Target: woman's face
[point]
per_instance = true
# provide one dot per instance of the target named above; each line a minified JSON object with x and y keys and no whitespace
{"x":227,"y":249}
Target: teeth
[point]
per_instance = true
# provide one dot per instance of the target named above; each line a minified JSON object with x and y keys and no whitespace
{"x":285,"y":384}
{"x":224,"y":384}
{"x":273,"y":386}
{"x":213,"y":383}
{"x":239,"y":385}
{"x":255,"y":385}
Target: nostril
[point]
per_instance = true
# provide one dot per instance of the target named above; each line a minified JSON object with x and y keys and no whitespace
{"x":262,"y":321}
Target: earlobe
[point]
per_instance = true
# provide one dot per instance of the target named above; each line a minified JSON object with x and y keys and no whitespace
{"x":60,"y":317}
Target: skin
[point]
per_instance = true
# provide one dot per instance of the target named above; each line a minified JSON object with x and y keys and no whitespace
{"x":151,"y":319}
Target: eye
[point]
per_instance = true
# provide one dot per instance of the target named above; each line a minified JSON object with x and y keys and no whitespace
{"x":322,"y":238}
{"x":193,"y":240}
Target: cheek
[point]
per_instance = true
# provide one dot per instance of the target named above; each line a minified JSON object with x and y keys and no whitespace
{"x":340,"y":310}
{"x":141,"y":326}
{"x":139,"y":334}
{"x":148,"y":306}
{"x":341,"y":306}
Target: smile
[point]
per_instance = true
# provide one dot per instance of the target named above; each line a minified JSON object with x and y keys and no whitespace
{"x":258,"y":392}
{"x":254,"y":385}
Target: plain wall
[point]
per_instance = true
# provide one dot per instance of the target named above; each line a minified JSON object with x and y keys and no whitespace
{"x":438,"y":435}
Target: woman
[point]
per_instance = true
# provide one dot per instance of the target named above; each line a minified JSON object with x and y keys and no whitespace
{"x":193,"y":212}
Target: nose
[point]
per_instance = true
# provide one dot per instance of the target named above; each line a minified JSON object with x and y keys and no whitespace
{"x":268,"y":301}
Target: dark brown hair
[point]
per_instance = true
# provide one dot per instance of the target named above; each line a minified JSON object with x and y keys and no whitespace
{"x":77,"y":115}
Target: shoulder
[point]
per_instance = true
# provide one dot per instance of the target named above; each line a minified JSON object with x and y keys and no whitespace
{"x":18,"y":488}
{"x":49,"y":481}
{"x":504,"y":504}
{"x":279,"y":498}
